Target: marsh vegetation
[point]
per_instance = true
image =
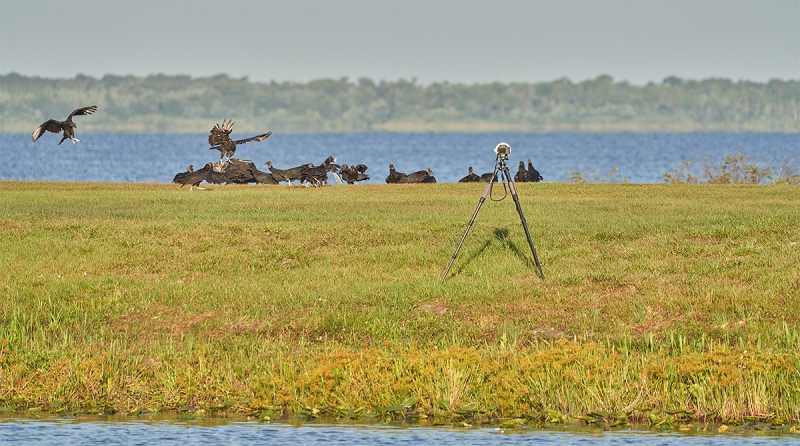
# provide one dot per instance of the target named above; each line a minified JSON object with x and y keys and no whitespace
{"x":663,"y":303}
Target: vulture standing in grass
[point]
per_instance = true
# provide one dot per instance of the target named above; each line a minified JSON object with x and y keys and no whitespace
{"x":522,"y":174}
{"x":354,"y":174}
{"x":238,"y":171}
{"x":241,"y":171}
{"x":195,"y":177}
{"x":418,"y":176}
{"x":318,"y":175}
{"x":470,"y":178}
{"x":66,"y":126}
{"x":288,"y":175}
{"x":488,"y":176}
{"x":220,"y":139}
{"x":179,"y":176}
{"x":395,"y":176}
{"x":533,"y":175}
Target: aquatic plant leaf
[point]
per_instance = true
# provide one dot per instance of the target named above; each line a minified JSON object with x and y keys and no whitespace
{"x":512,"y":423}
{"x":469,"y":408}
{"x":409,"y":402}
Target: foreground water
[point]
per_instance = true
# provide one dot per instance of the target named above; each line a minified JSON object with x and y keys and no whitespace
{"x":640,"y":157}
{"x":61,"y":431}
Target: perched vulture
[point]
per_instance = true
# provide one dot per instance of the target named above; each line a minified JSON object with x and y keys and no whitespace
{"x":395,"y":176}
{"x":522,"y":174}
{"x":418,"y":176}
{"x":179,"y":176}
{"x":288,"y":175}
{"x":220,"y":139}
{"x":354,"y":174}
{"x":470,"y":178}
{"x":488,"y":176}
{"x":195,"y":177}
{"x":533,"y":175}
{"x":318,"y":175}
{"x":66,"y":126}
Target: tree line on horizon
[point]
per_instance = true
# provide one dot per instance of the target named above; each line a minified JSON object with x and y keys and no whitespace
{"x":182,"y":104}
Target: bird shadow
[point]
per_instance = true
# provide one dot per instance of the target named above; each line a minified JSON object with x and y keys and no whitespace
{"x":501,"y":236}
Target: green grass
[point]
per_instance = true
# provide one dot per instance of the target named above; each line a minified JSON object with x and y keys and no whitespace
{"x":127,"y":297}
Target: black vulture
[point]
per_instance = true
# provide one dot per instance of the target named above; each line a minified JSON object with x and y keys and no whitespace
{"x":522,"y":174}
{"x":486,"y":177}
{"x":429,"y":179}
{"x":354,"y":174}
{"x":66,"y":126}
{"x":262,"y":177}
{"x":244,"y":171}
{"x":220,"y":139}
{"x":178,"y":176}
{"x":395,"y":176}
{"x":287,"y":175}
{"x":318,"y":175}
{"x":238,"y":171}
{"x":194,"y":178}
{"x":418,"y":176}
{"x":533,"y":174}
{"x":470,"y":178}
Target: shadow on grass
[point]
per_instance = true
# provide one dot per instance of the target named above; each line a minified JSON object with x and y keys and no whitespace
{"x":500,"y":235}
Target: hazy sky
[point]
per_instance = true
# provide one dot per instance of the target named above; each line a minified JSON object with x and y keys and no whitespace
{"x":432,"y":41}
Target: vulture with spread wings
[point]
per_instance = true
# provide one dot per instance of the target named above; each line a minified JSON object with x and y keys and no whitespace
{"x":66,"y":126}
{"x":220,"y":139}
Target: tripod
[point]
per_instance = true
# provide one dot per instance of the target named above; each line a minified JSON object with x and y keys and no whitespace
{"x":500,"y":166}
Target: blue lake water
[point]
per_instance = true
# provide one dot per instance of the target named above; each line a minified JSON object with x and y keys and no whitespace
{"x":640,"y":157}
{"x":221,"y":432}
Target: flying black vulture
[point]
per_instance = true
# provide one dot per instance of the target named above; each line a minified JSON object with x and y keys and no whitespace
{"x":287,"y":175}
{"x":66,"y":126}
{"x":533,"y":174}
{"x":395,"y":176}
{"x":470,"y":178}
{"x":418,"y":176}
{"x":522,"y":174}
{"x":219,"y":139}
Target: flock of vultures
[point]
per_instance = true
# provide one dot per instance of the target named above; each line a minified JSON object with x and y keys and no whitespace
{"x":238,"y":171}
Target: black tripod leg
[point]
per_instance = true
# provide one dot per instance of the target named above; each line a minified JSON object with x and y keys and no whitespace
{"x":471,"y":221}
{"x":524,"y":223}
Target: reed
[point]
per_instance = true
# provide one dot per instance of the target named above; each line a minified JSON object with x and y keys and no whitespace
{"x":662,"y":303}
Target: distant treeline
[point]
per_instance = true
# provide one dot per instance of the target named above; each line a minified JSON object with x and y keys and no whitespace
{"x":167,"y":104}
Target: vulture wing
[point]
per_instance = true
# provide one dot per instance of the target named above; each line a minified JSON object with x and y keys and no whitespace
{"x":258,"y":138}
{"x":220,"y":134}
{"x":48,"y":126}
{"x":82,"y":111}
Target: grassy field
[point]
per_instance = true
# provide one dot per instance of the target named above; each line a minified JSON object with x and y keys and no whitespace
{"x":661,"y":303}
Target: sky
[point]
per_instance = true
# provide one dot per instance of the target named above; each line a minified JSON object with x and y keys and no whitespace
{"x":451,"y":41}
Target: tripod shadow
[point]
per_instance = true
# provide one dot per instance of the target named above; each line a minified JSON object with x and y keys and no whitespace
{"x":500,"y":235}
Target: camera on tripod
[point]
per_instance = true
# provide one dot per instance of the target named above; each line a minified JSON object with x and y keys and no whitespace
{"x":503,"y":150}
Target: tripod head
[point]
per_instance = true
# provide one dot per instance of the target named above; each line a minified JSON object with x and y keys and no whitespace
{"x":503,"y":151}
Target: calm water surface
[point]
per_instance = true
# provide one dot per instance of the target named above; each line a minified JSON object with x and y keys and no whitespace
{"x":641,"y":157}
{"x":69,"y":432}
